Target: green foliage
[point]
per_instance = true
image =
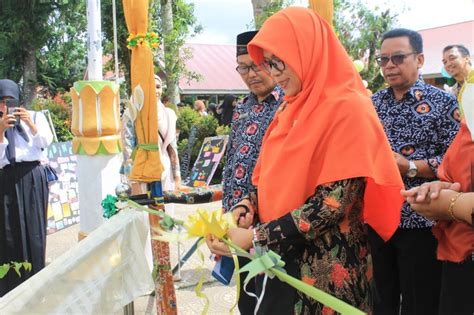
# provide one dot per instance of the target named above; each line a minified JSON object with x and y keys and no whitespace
{"x":223,"y":130}
{"x":268,"y":10}
{"x":186,"y":119}
{"x":206,"y":126}
{"x":124,"y":54}
{"x":60,"y":110}
{"x":360,"y":30}
{"x":15,"y":266}
{"x":358,"y":27}
{"x":63,"y":59}
{"x":52,"y":30}
{"x":185,"y":25}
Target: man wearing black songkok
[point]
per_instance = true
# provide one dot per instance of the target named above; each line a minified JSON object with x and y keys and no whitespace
{"x":250,"y":120}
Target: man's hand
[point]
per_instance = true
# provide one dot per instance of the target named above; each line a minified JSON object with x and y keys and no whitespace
{"x":402,"y":163}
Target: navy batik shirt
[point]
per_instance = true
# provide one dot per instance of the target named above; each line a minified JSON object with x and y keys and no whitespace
{"x":249,"y":124}
{"x":420,"y":126}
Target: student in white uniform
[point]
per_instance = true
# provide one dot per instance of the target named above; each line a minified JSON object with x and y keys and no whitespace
{"x":23,"y":186}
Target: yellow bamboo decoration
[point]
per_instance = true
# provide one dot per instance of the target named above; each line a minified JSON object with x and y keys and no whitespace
{"x":95,"y":118}
{"x":147,"y":165}
{"x":325,"y":8}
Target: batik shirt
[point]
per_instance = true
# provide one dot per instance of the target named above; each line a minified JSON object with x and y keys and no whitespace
{"x":249,"y":123}
{"x":420,"y":126}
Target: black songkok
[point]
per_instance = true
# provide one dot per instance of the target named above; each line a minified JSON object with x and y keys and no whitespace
{"x":242,"y":40}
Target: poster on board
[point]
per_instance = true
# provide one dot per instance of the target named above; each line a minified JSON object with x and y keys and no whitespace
{"x":63,"y":206}
{"x":212,"y":151}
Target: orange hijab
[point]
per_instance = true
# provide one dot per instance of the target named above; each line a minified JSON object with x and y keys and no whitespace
{"x":329,"y":131}
{"x":456,"y":239}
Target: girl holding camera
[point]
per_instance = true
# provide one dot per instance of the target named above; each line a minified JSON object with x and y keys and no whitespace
{"x":23,"y":186}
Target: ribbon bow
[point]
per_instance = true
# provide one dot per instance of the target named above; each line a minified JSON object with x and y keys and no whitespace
{"x":264,"y":263}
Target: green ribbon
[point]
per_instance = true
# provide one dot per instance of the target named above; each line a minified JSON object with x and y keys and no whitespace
{"x":271,"y":264}
{"x":268,"y":262}
{"x":108,"y":204}
{"x":167,"y":222}
{"x":145,"y":147}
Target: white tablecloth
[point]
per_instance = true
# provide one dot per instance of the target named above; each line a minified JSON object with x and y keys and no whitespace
{"x":99,"y":275}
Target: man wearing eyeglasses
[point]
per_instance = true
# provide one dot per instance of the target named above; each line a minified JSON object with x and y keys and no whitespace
{"x":250,"y":121}
{"x":420,"y":122}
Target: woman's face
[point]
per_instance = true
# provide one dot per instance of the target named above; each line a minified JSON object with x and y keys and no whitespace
{"x":159,"y":89}
{"x":284,"y":76}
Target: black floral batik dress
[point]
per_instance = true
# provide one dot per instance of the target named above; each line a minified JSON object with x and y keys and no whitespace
{"x":324,"y":243}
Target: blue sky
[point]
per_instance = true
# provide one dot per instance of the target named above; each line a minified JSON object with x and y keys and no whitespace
{"x":224,"y":19}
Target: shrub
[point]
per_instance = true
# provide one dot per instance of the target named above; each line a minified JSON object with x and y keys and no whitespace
{"x":60,"y":109}
{"x":206,"y":126}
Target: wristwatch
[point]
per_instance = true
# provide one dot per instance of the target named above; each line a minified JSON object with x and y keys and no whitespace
{"x":412,"y":169}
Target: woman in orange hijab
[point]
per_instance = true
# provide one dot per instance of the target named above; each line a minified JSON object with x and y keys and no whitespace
{"x":325,"y":166}
{"x":451,"y":201}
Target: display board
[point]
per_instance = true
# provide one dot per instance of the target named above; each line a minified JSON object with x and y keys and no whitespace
{"x":63,"y":207}
{"x":212,"y":150}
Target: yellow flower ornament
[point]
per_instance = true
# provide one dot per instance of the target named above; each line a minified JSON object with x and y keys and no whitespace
{"x":203,"y":223}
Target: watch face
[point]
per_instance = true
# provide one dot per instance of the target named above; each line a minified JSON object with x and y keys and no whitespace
{"x":411,"y":173}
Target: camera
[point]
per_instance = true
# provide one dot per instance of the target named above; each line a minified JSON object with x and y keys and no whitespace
{"x":12,"y":104}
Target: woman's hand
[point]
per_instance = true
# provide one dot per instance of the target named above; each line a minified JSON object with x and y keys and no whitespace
{"x":241,"y":237}
{"x":7,"y":121}
{"x":216,"y":246}
{"x":243,"y":217}
{"x":26,"y":118}
{"x":428,"y":191}
{"x":177,"y":183}
{"x":432,"y":199}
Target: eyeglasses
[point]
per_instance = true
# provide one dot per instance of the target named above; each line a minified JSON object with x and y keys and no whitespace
{"x":397,"y":59}
{"x":244,"y":69}
{"x":277,"y":64}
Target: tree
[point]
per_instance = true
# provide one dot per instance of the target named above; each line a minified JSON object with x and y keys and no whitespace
{"x":263,"y":9}
{"x":63,"y":59}
{"x":175,"y":23}
{"x":360,"y":29}
{"x":173,"y":27}
{"x":26,"y":28}
{"x":124,"y":54}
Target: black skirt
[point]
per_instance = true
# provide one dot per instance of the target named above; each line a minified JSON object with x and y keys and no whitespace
{"x":23,"y":205}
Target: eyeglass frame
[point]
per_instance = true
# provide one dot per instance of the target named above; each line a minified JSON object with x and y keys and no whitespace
{"x":247,"y":68}
{"x":274,"y":63}
{"x":378,"y":59}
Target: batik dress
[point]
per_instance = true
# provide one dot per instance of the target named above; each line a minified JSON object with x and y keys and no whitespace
{"x":324,"y":241}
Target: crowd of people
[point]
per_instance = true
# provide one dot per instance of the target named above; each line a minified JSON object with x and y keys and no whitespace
{"x":324,"y":192}
{"x":368,"y":198}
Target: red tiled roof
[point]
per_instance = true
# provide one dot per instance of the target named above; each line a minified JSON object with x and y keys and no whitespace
{"x":216,"y":64}
{"x":435,"y":39}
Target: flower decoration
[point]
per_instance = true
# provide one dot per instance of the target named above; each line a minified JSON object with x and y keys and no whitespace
{"x":203,"y":223}
{"x":143,"y":40}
